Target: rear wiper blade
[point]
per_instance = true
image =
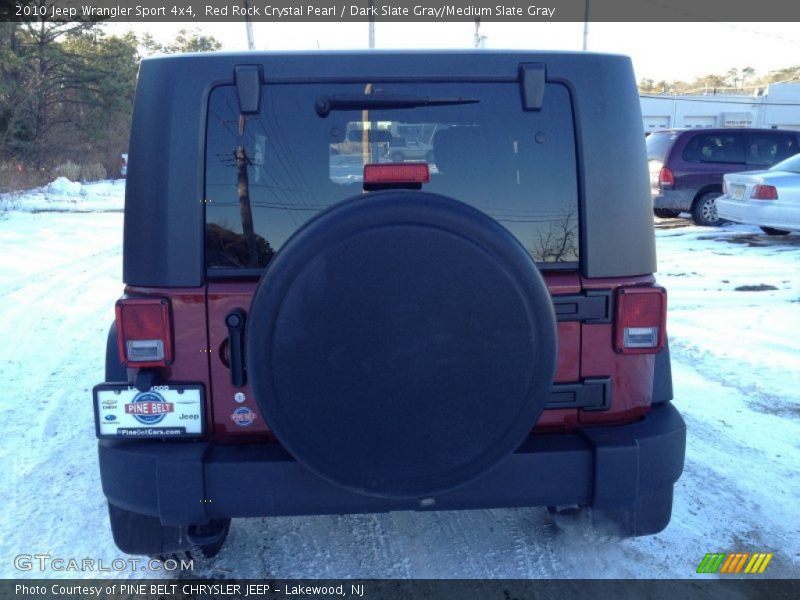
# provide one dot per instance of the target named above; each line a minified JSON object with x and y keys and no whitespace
{"x":325,"y":104}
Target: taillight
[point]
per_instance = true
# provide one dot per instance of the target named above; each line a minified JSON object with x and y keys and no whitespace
{"x":764,"y":192}
{"x":144,"y":332}
{"x":666,"y":180}
{"x":641,"y":316}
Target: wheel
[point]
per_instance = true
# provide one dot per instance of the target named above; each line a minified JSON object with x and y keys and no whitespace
{"x":401,"y":347}
{"x":665,"y":213}
{"x":398,"y":157}
{"x":773,"y":231}
{"x":704,"y":210}
{"x":135,"y":533}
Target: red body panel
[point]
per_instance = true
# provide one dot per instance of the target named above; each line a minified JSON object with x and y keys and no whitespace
{"x":222,"y":298}
{"x":584,"y":350}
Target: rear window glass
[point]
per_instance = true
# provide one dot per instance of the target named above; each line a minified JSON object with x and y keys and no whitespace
{"x":716,"y":148}
{"x":791,"y":164}
{"x":267,"y":174}
{"x":658,"y":145}
{"x":769,"y":148}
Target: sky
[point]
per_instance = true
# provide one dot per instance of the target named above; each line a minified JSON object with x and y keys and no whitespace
{"x":666,"y":51}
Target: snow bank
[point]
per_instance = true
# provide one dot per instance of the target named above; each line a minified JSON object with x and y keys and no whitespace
{"x":63,"y":195}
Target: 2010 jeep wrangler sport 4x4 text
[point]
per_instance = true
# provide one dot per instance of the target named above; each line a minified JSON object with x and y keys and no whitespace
{"x":313,"y":325}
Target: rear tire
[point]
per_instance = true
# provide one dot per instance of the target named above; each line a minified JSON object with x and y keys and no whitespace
{"x":704,"y":210}
{"x":665,"y":213}
{"x":135,"y":533}
{"x":773,"y":231}
{"x":435,"y":376}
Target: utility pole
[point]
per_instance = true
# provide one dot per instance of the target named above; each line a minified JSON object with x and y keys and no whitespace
{"x":251,"y":45}
{"x":586,"y":25}
{"x":243,"y":191}
{"x":371,"y":25}
{"x":478,"y":39}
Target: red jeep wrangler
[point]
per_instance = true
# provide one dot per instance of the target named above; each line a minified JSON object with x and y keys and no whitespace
{"x":309,"y":327}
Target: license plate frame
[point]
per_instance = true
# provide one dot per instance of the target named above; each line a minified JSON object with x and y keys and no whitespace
{"x":183,"y":412}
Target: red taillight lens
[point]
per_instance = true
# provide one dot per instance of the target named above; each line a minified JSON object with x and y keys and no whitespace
{"x":396,"y":173}
{"x":144,"y":332}
{"x":641,"y":316}
{"x":665,"y":178}
{"x":764,"y":192}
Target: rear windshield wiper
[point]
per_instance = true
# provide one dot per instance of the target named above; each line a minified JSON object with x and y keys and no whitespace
{"x":325,"y":104}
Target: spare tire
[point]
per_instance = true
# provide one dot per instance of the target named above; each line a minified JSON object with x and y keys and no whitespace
{"x":401,"y":344}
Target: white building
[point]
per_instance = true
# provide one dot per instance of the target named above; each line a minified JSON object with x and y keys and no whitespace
{"x":777,"y":107}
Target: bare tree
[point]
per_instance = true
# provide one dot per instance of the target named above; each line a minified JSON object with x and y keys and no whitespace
{"x":559,"y":242}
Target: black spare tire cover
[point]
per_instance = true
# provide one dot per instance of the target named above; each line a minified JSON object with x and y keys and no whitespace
{"x":401,"y":343}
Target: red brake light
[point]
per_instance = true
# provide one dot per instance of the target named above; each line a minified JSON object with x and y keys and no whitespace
{"x":641,"y":316}
{"x":144,"y":329}
{"x":396,"y":173}
{"x":665,"y":178}
{"x":764,"y":192}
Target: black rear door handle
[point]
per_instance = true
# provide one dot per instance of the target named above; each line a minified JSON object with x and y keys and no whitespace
{"x":235,"y":321}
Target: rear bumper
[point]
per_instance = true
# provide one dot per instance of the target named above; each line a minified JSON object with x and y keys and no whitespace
{"x":680,"y":200}
{"x":187,"y":483}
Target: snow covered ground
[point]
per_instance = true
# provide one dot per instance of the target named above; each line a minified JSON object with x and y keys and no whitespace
{"x":735,"y":357}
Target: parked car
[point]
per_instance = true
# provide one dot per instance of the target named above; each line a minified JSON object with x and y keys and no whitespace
{"x":411,"y":150}
{"x":327,"y":332}
{"x":123,"y":165}
{"x":769,"y":199}
{"x":686,"y":166}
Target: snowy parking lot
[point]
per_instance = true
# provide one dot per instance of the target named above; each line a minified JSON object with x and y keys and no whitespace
{"x":734,"y":326}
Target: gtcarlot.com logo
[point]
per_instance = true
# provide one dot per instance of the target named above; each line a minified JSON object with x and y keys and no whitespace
{"x":48,"y":562}
{"x":735,"y":562}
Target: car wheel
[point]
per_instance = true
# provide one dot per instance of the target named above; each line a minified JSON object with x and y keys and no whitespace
{"x":135,"y":533}
{"x":773,"y":231}
{"x":665,"y":213}
{"x":422,"y":384}
{"x":704,"y":210}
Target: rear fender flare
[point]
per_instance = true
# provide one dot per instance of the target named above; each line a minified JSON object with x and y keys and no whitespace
{"x":115,"y":372}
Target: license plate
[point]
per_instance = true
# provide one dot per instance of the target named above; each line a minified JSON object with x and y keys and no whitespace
{"x":737,"y":191}
{"x":163,"y":411}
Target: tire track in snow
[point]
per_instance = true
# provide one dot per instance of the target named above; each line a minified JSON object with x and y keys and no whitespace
{"x":53,"y":323}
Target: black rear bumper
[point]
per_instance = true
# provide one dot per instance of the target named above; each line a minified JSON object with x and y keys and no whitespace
{"x":627,"y":467}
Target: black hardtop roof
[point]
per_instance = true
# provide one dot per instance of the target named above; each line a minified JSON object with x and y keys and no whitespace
{"x":429,"y":54}
{"x":164,"y":217}
{"x":383,"y":63}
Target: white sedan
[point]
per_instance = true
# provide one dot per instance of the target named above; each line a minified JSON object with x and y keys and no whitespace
{"x":769,"y":199}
